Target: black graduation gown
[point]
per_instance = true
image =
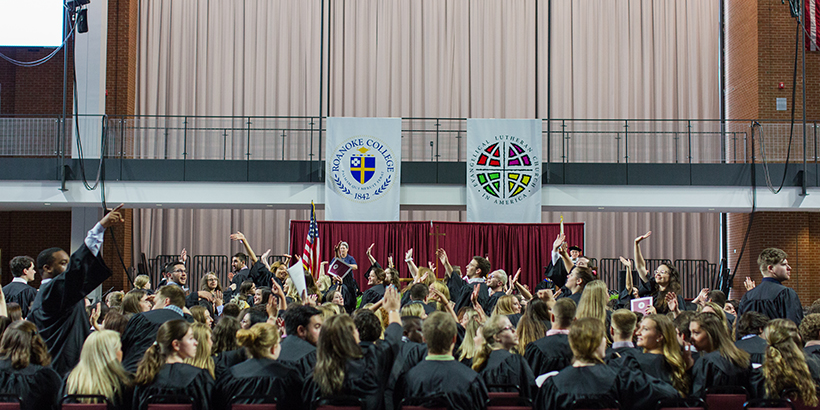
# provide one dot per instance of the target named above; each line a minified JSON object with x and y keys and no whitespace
{"x":506,"y":368}
{"x":514,"y":318}
{"x":123,"y":401}
{"x":812,"y":351}
{"x":654,"y":365}
{"x":38,"y":386}
{"x":650,"y":288}
{"x":241,"y":276}
{"x":140,"y":333}
{"x":712,"y":369}
{"x":298,"y":353}
{"x":365,"y":377}
{"x":461,"y":292}
{"x":349,"y":289}
{"x":260,"y":377}
{"x":261,"y":276}
{"x":410,"y":354}
{"x":614,"y":354}
{"x":428,"y":307}
{"x":373,"y":295}
{"x":548,"y":354}
{"x":493,"y":300}
{"x":178,"y":379}
{"x":22,"y":294}
{"x":773,"y":300}
{"x":225,"y":360}
{"x":59,"y":312}
{"x":461,"y":386}
{"x":632,"y":389}
{"x":755,"y":346}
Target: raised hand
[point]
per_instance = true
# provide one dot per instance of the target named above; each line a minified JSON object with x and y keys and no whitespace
{"x":183,"y":256}
{"x":392,"y":302}
{"x":265,"y":255}
{"x":672,"y":301}
{"x":559,"y":240}
{"x":408,"y":256}
{"x":546,"y":295}
{"x":112,"y":218}
{"x":642,"y":237}
{"x":390,"y":263}
{"x":749,"y":284}
{"x":474,"y":296}
{"x":626,"y":262}
{"x":441,"y":254}
{"x":702,"y":297}
{"x":238,"y":236}
{"x":369,"y":249}
{"x":272,"y":307}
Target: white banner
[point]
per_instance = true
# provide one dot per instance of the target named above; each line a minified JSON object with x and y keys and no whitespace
{"x":363,"y":169}
{"x":504,"y":171}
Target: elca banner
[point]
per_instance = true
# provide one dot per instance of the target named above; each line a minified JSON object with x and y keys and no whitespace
{"x":504,"y":171}
{"x":363,"y":169}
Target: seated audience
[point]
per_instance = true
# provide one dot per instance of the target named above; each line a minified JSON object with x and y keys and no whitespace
{"x":100,"y":371}
{"x":141,"y":331}
{"x":552,"y":352}
{"x":302,"y":325}
{"x":661,"y":356}
{"x":749,"y":328}
{"x":162,"y":370}
{"x":202,"y":358}
{"x":720,"y":363}
{"x":225,"y":350}
{"x":533,"y":325}
{"x":262,"y":374}
{"x":622,"y":331}
{"x":589,"y":378}
{"x":344,"y":367}
{"x":497,"y":365}
{"x":810,"y":333}
{"x":24,"y":367}
{"x":440,"y":375}
{"x":136,"y":301}
{"x":785,"y":367}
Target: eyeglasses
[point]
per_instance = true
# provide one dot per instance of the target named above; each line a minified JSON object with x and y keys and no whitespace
{"x":211,"y":279}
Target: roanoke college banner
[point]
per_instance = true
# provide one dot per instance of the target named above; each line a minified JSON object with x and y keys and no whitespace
{"x":504,"y":171}
{"x":363,"y":169}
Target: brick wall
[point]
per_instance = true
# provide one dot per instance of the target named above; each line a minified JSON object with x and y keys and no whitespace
{"x":30,"y":232}
{"x":34,"y":90}
{"x":121,"y":64}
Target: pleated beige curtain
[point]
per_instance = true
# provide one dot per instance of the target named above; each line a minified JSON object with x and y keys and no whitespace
{"x":609,"y":59}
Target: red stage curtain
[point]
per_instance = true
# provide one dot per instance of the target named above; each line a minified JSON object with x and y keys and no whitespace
{"x":508,"y":246}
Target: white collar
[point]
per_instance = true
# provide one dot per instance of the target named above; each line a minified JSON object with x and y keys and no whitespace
{"x":19,"y":279}
{"x":475,"y":280}
{"x":46,"y":280}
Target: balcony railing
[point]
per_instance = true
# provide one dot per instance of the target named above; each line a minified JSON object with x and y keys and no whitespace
{"x":423,"y":139}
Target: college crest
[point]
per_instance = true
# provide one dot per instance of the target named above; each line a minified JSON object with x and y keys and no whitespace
{"x":363,"y":168}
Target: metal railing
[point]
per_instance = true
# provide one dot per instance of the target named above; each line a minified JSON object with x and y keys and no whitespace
{"x":423,"y":139}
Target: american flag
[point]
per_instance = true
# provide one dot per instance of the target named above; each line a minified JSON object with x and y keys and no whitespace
{"x":812,"y":24}
{"x":310,"y":256}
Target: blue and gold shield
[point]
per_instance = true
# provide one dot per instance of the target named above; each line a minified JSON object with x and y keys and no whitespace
{"x":362,"y":168}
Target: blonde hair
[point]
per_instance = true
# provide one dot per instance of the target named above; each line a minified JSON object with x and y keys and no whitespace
{"x":140,"y":281}
{"x":671,"y":352}
{"x":504,"y":306}
{"x":444,"y":291}
{"x":431,"y":276}
{"x":593,"y":301}
{"x":292,"y":293}
{"x":412,"y":309}
{"x":202,"y":358}
{"x":495,"y":325}
{"x":99,"y":371}
{"x":259,"y":339}
{"x":329,"y":309}
{"x":785,"y":366}
{"x":468,"y":348}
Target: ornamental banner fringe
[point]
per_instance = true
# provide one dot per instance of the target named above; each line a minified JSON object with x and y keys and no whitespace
{"x":363,"y":169}
{"x":504,"y":171}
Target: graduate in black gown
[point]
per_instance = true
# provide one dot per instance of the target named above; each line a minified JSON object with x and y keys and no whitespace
{"x":770,"y":297}
{"x":19,"y":291}
{"x":661,"y":356}
{"x":622,"y":330}
{"x":375,"y":279}
{"x":552,"y":352}
{"x":343,"y":367}
{"x":418,"y":294}
{"x":141,"y":330}
{"x":302,"y":325}
{"x":496,"y":281}
{"x":497,"y":365}
{"x":749,"y":328}
{"x":24,"y":370}
{"x":440,"y":375}
{"x":162,"y":371}
{"x":720,"y":363}
{"x":665,"y":280}
{"x":412,"y":351}
{"x":785,"y":367}
{"x":100,"y":372}
{"x":461,"y":291}
{"x":225,"y":349}
{"x":262,"y":374}
{"x":589,"y":378}
{"x":58,"y":310}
